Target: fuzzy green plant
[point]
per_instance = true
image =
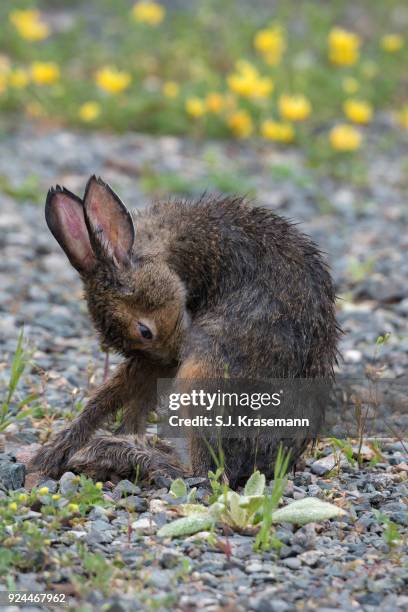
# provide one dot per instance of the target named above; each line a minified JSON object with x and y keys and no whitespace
{"x":255,"y":510}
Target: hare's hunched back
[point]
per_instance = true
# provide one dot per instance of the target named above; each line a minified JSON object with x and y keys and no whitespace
{"x":205,"y":285}
{"x":256,"y":286}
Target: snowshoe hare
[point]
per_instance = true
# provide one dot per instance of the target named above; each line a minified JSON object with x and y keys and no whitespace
{"x":181,"y":291}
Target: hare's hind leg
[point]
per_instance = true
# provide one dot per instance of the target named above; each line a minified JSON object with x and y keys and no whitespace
{"x":195,"y":370}
{"x":106,"y":457}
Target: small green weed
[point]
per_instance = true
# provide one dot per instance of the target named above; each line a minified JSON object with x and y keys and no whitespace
{"x":271,"y":501}
{"x":19,"y":363}
{"x":391,"y":534}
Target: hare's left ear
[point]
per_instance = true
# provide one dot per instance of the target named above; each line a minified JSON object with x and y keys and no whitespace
{"x":64,"y":214}
{"x":109,"y":222}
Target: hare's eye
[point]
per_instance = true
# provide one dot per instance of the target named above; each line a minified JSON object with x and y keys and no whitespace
{"x":145,"y":331}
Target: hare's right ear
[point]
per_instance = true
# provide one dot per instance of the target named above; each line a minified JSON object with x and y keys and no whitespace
{"x":109,"y":223}
{"x":64,"y":214}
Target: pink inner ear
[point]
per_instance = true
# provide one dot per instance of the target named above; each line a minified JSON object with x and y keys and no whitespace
{"x":108,"y":215}
{"x":72,"y":220}
{"x":105,"y":221}
{"x":65,"y":218}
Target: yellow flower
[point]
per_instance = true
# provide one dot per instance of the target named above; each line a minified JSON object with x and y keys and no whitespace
{"x":240,"y":123}
{"x":23,"y":497}
{"x":294,"y":108}
{"x":392,"y":42}
{"x":89,"y":111}
{"x":150,"y":13}
{"x":402,"y":117}
{"x":73,"y":508}
{"x":271,"y":44}
{"x":248,"y":83}
{"x":350,"y":85}
{"x":112,"y":80}
{"x":170,"y":89}
{"x":195,"y":107}
{"x":343,"y":47}
{"x":56,"y":497}
{"x":13,"y":506}
{"x":279,"y":131}
{"x":43,"y":491}
{"x":345,"y":138}
{"x":45,"y":73}
{"x":29,"y":25}
{"x":19,"y":78}
{"x":214,"y":102}
{"x":358,"y":111}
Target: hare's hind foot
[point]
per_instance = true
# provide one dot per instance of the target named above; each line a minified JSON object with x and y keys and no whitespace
{"x":108,"y":457}
{"x":52,"y":458}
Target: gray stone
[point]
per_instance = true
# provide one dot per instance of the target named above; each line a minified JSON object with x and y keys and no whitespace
{"x":302,"y":479}
{"x":12,"y":474}
{"x":266,"y":603}
{"x":169,"y":558}
{"x":50,"y":484}
{"x":126,"y":487}
{"x":134,"y":503}
{"x":292,"y":563}
{"x":144,"y":525}
{"x":160,"y":579}
{"x":254,"y":567}
{"x":68,"y":484}
{"x":310,"y":557}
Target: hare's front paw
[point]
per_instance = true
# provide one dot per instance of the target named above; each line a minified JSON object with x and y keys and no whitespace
{"x":51,"y":460}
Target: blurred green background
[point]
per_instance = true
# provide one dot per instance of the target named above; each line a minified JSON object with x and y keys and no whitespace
{"x":278,"y":71}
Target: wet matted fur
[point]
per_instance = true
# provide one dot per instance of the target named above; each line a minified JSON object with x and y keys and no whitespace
{"x":218,"y":284}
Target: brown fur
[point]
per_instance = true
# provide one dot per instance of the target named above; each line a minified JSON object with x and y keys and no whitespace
{"x":223,"y":284}
{"x":121,"y":456}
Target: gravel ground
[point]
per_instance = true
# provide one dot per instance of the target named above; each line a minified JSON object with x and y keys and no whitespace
{"x":342,"y":565}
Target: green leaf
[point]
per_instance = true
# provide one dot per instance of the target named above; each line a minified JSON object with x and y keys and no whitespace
{"x":225,"y":496}
{"x":27,"y":400}
{"x":188,"y":509}
{"x":23,"y":414}
{"x":307,"y":510}
{"x":251,"y":504}
{"x":178,"y":488}
{"x":187,"y":526}
{"x":238,"y":515}
{"x":192,"y":495}
{"x":255,"y":485}
{"x":216,"y":510}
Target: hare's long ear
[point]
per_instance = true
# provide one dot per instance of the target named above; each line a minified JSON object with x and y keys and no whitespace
{"x":64,"y":214}
{"x":109,"y":222}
